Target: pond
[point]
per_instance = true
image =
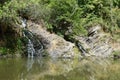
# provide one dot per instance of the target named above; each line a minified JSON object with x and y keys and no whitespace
{"x":59,"y":69}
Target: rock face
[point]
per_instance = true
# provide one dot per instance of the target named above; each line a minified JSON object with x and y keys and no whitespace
{"x":55,"y":45}
{"x":96,"y":43}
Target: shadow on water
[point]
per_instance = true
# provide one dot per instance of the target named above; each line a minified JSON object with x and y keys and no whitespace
{"x":59,"y":69}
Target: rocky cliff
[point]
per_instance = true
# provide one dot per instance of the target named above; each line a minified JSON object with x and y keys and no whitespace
{"x":55,"y":45}
{"x":97,"y":42}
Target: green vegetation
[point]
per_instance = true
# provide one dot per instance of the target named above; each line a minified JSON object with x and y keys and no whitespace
{"x":116,"y":52}
{"x":66,"y":18}
{"x":3,"y":50}
{"x":12,"y":46}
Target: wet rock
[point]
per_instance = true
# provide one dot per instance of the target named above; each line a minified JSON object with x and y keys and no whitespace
{"x":94,"y":30}
{"x":33,"y":44}
{"x":96,"y":43}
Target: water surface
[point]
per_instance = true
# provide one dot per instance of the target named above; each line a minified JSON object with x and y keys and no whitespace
{"x":59,"y":69}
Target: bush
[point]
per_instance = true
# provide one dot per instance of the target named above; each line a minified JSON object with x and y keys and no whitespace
{"x":3,"y":50}
{"x":65,"y":18}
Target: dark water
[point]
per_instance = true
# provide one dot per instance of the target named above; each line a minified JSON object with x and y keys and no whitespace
{"x":59,"y":69}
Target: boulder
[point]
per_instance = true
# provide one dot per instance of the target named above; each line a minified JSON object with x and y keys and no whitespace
{"x":55,"y":45}
{"x":96,"y":43}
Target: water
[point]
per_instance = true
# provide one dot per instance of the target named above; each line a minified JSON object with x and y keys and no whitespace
{"x":34,"y":46}
{"x":59,"y":69}
{"x":30,"y":49}
{"x":28,"y":36}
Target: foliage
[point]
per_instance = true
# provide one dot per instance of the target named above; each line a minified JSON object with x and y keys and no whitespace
{"x":116,"y":52}
{"x":64,"y":17}
{"x":12,"y":46}
{"x":74,"y":16}
{"x":103,"y":11}
{"x":3,"y":50}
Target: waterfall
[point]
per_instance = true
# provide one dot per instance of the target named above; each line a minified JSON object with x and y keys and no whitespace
{"x":24,"y":24}
{"x":34,"y":46}
{"x":30,"y":62}
{"x":30,"y":49}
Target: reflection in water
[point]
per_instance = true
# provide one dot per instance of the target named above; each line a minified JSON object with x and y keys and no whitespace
{"x":30,"y":62}
{"x":59,"y":69}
